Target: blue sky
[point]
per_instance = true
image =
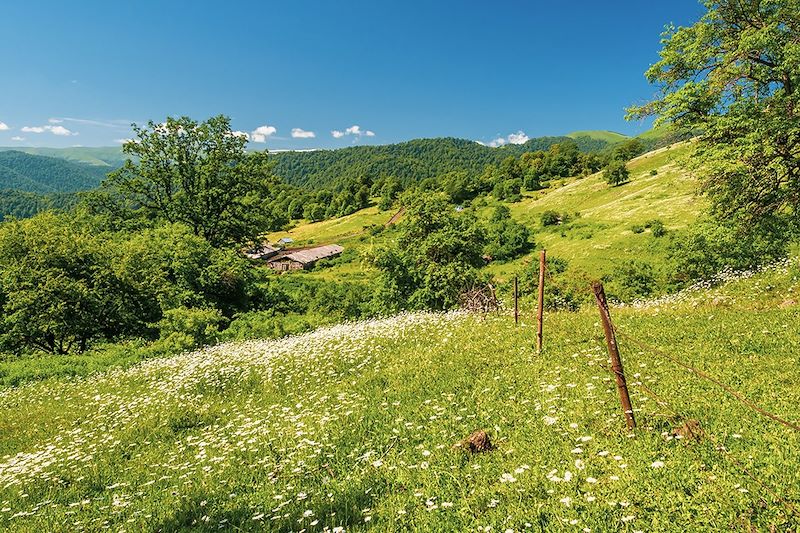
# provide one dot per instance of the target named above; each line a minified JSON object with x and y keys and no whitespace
{"x":78,"y":73}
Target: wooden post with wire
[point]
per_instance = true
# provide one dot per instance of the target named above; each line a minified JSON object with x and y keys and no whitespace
{"x":540,"y":310}
{"x":613,"y":352}
{"x":516,"y":300}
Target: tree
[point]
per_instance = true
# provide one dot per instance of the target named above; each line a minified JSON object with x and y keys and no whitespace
{"x":616,"y":172}
{"x":198,"y":174}
{"x":436,"y":256}
{"x":734,"y":75}
{"x":506,"y":238}
{"x":57,"y":289}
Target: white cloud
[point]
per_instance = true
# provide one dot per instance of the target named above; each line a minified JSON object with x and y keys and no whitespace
{"x":55,"y":130}
{"x":60,"y":130}
{"x":122,"y":141}
{"x":354,"y":130}
{"x":261,"y":133}
{"x":17,"y":138}
{"x":238,"y":133}
{"x":4,"y":126}
{"x":518,"y":138}
{"x":55,"y":120}
{"x":513,"y":138}
{"x":298,"y":133}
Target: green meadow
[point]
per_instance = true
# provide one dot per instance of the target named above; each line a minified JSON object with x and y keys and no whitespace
{"x":353,"y":427}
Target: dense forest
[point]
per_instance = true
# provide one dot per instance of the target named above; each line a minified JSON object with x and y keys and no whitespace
{"x":409,"y":162}
{"x":43,"y":175}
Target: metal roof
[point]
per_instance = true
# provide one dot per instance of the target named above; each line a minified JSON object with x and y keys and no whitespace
{"x":314,"y":254}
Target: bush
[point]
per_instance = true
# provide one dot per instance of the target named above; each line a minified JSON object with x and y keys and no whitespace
{"x":654,"y":172}
{"x":183,"y":328}
{"x":550,"y":218}
{"x":266,"y":325}
{"x":506,"y":238}
{"x":634,"y":279}
{"x":707,"y":248}
{"x":656,"y":228}
{"x":637,"y":228}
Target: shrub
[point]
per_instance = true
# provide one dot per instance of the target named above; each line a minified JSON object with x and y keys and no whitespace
{"x":707,"y":248}
{"x":550,"y":218}
{"x":635,"y":279}
{"x":657,"y":228}
{"x":637,"y":228}
{"x":654,"y":172}
{"x":266,"y":325}
{"x":183,"y":328}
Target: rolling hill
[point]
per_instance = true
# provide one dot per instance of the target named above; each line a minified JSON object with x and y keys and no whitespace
{"x":357,"y":427}
{"x":43,"y":175}
{"x":410,"y":161}
{"x":104,"y":156}
{"x":598,"y":235}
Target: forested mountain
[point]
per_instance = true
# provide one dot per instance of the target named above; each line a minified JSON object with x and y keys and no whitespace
{"x":101,"y":156}
{"x":20,"y":204}
{"x":409,"y":161}
{"x":44,"y":175}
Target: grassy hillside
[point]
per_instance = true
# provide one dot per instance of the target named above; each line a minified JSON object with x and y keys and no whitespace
{"x":610,"y":137}
{"x":598,"y":236}
{"x":354,"y":427}
{"x":42,"y":174}
{"x":103,"y":156}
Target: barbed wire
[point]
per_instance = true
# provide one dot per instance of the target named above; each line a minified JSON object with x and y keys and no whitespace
{"x":734,"y":393}
{"x":724,"y":452}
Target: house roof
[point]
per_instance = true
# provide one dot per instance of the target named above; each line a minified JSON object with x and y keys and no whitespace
{"x":263,"y":250}
{"x":314,"y":254}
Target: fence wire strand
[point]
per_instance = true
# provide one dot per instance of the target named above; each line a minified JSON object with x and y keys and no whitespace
{"x":724,"y":452}
{"x":734,"y":393}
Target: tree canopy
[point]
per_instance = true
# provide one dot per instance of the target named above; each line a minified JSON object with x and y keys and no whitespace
{"x":734,"y":75}
{"x":198,"y":174}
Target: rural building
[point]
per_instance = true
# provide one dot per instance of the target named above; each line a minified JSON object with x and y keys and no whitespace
{"x":262,"y":251}
{"x":301,"y":259}
{"x":285,"y":240}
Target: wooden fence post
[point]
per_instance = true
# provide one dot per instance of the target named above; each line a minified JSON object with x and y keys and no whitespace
{"x":613,"y":352}
{"x":540,"y":310}
{"x":516,"y":300}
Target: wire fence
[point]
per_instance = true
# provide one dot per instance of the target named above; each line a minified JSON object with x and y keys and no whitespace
{"x":740,"y":397}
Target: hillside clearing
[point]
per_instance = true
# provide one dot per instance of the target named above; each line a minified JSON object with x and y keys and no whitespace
{"x":353,"y":426}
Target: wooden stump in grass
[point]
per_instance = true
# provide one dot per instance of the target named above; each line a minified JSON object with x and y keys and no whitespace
{"x":477,"y":442}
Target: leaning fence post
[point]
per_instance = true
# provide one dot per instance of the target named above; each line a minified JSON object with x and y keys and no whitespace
{"x":540,"y":310}
{"x":613,"y":352}
{"x":516,"y":300}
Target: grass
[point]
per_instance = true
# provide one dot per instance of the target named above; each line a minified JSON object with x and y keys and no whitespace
{"x":610,"y":137}
{"x":596,"y":239}
{"x":353,"y":427}
{"x":599,"y":234}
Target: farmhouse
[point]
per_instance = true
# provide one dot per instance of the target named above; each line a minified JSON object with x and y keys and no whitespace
{"x":262,"y":251}
{"x":306,"y":258}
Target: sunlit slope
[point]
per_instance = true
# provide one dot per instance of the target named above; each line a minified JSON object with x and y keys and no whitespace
{"x":599,"y":233}
{"x":611,"y":137}
{"x":353,"y":426}
{"x":597,"y":236}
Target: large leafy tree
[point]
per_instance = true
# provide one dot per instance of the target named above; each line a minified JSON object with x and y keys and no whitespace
{"x":198,"y":174}
{"x":435,"y":258}
{"x":734,"y":75}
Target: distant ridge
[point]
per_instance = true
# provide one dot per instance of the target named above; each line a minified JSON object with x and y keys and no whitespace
{"x":44,"y":175}
{"x":102,"y":156}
